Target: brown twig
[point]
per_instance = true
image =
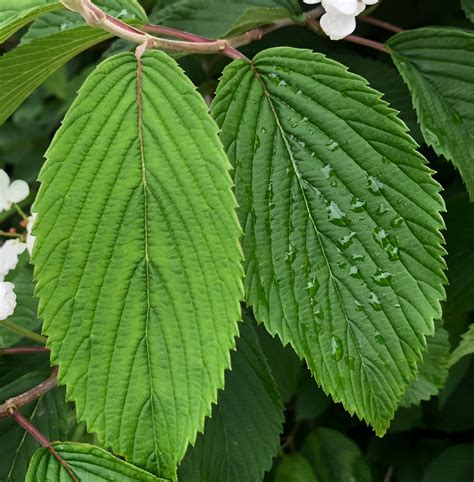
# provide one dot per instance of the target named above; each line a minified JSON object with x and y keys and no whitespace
{"x":355,"y":39}
{"x":34,"y":393}
{"x":389,"y":474}
{"x":41,"y":439}
{"x":380,"y":23}
{"x":23,"y":350}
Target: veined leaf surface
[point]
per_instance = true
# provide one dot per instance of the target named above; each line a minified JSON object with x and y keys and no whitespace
{"x":343,"y":251}
{"x":137,"y":258}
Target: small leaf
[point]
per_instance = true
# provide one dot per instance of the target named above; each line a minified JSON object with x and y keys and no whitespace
{"x":137,"y":258}
{"x":89,"y":463}
{"x":342,"y":245}
{"x":433,"y":371}
{"x":294,"y":468}
{"x":26,"y":67}
{"x":438,"y":66}
{"x":465,"y":347}
{"x":15,"y":14}
{"x":243,"y":434}
{"x":335,"y":457}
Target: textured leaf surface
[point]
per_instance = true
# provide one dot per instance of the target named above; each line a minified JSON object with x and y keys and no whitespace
{"x":218,"y":18}
{"x":137,"y":259}
{"x":335,"y":457}
{"x":25,"y":311}
{"x":243,"y":434}
{"x":294,"y":468}
{"x":438,"y":66}
{"x":465,"y":347}
{"x":89,"y":463}
{"x":433,"y":371}
{"x":65,"y":20}
{"x":341,"y":216}
{"x":14,"y":14}
{"x":26,"y":67}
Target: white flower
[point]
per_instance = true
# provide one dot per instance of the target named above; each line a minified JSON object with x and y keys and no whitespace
{"x":339,"y":20}
{"x":9,"y":253}
{"x":30,"y":239}
{"x":7,"y":299}
{"x":11,"y":192}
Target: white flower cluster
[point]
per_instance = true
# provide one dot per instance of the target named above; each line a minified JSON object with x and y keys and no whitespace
{"x":339,"y":20}
{"x":11,"y":193}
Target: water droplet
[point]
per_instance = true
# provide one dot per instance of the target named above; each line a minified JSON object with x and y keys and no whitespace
{"x":336,"y":215}
{"x":381,"y":277}
{"x":354,"y":272}
{"x":397,"y":305}
{"x":290,"y":254}
{"x":277,"y":258}
{"x":333,"y":146}
{"x":396,"y":222}
{"x":327,"y":171}
{"x":299,"y":92}
{"x":342,"y":264}
{"x":263,"y":130}
{"x":392,"y":252}
{"x":350,"y":361}
{"x":382,"y":209}
{"x":357,"y":205}
{"x":374,"y":185}
{"x":312,"y":285}
{"x":346,"y":241}
{"x":379,"y":337}
{"x":381,"y":236}
{"x":337,"y":348}
{"x":358,"y":305}
{"x":282,"y":83}
{"x":318,"y":311}
{"x":358,"y":257}
{"x":375,"y":302}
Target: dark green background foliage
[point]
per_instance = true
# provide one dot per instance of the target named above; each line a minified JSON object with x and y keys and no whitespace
{"x":273,"y":415}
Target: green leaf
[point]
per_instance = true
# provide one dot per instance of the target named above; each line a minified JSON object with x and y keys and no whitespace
{"x":65,"y":20}
{"x":335,"y":457}
{"x":27,"y":305}
{"x":26,"y":67}
{"x":89,"y":463}
{"x":294,"y":468}
{"x":342,"y":225}
{"x":243,"y":434}
{"x":15,"y":14}
{"x":220,"y":18}
{"x":438,"y":66}
{"x":453,"y":464}
{"x":465,"y":347}
{"x":137,"y":258}
{"x":433,"y":371}
{"x":459,"y":241}
{"x":468,"y":7}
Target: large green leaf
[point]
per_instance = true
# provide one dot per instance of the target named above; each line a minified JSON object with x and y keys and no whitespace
{"x":65,"y":20}
{"x":465,"y":347}
{"x":137,"y":258}
{"x":454,"y":464}
{"x":25,"y":68}
{"x":438,"y":66}
{"x":335,"y":457}
{"x":14,"y":14}
{"x":342,"y":224}
{"x":433,"y":371}
{"x":218,"y":18}
{"x":25,"y":311}
{"x":243,"y":434}
{"x":88,"y":463}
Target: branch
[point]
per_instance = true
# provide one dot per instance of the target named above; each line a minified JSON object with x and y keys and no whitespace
{"x":23,"y":350}
{"x":380,"y":23}
{"x":23,"y":331}
{"x":12,"y":404}
{"x":42,"y":440}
